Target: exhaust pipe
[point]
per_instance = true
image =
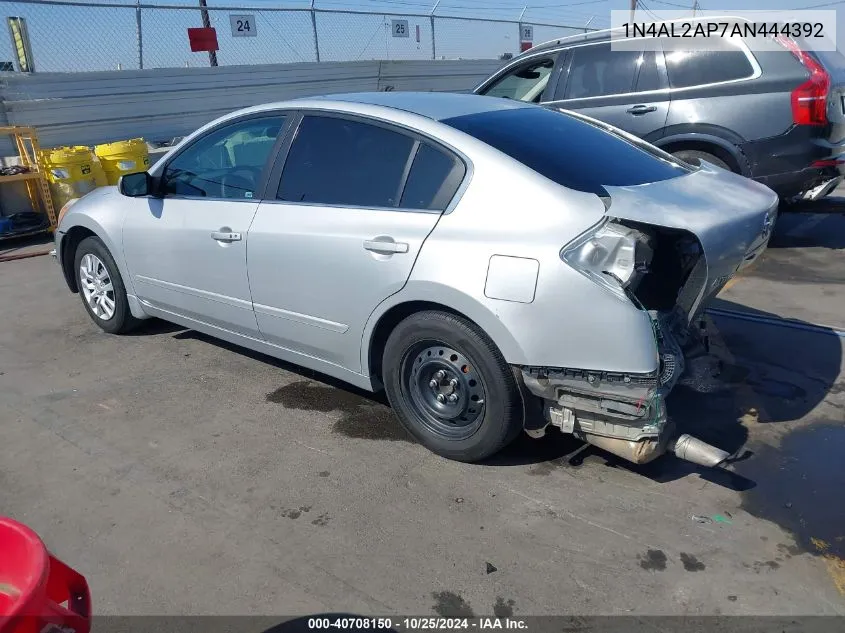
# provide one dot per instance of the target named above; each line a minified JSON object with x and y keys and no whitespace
{"x":694,"y":450}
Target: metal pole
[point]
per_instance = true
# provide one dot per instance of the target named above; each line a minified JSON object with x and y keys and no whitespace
{"x":206,"y":23}
{"x":433,"y":41}
{"x":139,"y":35}
{"x":519,"y":26}
{"x":314,"y":31}
{"x":587,"y":23}
{"x":694,"y":7}
{"x":633,"y":9}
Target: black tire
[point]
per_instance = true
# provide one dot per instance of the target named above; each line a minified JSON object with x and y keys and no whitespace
{"x":692,"y":156}
{"x":422,"y":346}
{"x":121,"y":320}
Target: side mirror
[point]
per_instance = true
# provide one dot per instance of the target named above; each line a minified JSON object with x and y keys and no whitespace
{"x":137,"y":185}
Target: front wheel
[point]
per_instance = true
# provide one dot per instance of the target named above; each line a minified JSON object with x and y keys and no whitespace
{"x":450,"y":386}
{"x":101,"y":287}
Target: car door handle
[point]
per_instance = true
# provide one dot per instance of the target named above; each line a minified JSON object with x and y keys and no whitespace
{"x":641,"y":109}
{"x":378,"y":246}
{"x":226,"y":236}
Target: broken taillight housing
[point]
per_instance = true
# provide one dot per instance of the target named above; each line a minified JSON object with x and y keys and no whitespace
{"x":809,"y":100}
{"x":613,"y":255}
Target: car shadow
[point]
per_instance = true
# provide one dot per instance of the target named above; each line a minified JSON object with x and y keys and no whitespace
{"x":818,"y":224}
{"x":152,"y":327}
{"x":766,"y":374}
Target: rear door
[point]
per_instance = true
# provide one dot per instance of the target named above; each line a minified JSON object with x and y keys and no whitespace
{"x":623,"y":88}
{"x":354,"y":200}
{"x":715,"y":90}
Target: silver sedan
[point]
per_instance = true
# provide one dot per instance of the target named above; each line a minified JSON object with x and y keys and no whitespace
{"x":492,"y":265}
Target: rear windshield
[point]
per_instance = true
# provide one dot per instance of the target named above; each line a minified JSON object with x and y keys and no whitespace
{"x":571,"y":151}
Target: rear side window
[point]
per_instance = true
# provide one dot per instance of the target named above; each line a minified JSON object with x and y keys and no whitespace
{"x":597,"y":71}
{"x":342,"y":162}
{"x":433,"y":180}
{"x":699,"y":67}
{"x":570,"y":151}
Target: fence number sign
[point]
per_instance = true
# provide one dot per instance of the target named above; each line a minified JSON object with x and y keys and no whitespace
{"x":526,"y":33}
{"x":243,"y":25}
{"x":399,"y":28}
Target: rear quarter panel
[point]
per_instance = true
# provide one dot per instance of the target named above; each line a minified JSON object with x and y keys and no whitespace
{"x":740,"y":112}
{"x":510,"y":210}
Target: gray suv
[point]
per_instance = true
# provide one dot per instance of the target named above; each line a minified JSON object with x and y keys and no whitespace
{"x":775,"y":115}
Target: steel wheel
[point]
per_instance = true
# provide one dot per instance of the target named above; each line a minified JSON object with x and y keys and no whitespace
{"x":446,"y":392}
{"x":96,"y":286}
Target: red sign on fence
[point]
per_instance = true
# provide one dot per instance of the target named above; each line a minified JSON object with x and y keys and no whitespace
{"x":203,"y":39}
{"x":524,"y":46}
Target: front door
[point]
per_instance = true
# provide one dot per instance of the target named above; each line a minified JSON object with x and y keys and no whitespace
{"x":186,"y":250}
{"x":355,"y":202}
{"x":622,"y":88}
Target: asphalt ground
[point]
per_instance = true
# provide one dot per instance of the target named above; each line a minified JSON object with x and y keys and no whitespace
{"x":181,"y":475}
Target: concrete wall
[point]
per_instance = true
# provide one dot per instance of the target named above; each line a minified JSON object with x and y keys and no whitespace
{"x":90,"y":108}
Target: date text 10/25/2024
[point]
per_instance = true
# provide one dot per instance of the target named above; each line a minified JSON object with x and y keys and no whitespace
{"x":415,"y":624}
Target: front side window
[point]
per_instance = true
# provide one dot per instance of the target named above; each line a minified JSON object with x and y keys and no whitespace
{"x":226,"y":163}
{"x":698,"y":67}
{"x":598,"y":71}
{"x":524,"y":83}
{"x":342,"y":162}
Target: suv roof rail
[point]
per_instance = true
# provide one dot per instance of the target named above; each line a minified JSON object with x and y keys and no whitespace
{"x":600,"y":34}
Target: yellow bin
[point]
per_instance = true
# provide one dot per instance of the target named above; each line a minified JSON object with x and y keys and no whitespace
{"x":71,"y":172}
{"x":123,"y":157}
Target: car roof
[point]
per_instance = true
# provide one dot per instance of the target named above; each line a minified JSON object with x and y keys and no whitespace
{"x":432,"y":105}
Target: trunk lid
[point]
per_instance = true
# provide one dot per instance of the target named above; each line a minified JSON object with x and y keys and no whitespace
{"x":731,"y":216}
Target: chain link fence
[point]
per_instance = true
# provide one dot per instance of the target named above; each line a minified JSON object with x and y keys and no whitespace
{"x":79,"y":36}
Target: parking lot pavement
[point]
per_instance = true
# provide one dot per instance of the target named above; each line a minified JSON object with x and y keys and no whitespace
{"x":181,"y":475}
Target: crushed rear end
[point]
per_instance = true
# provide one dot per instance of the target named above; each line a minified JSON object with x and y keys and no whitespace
{"x":613,"y":317}
{"x":668,"y":247}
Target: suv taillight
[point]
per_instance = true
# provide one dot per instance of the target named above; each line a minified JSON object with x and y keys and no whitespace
{"x":809,"y":100}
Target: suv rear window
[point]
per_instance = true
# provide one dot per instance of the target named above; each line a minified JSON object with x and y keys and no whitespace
{"x":570,"y":151}
{"x":699,"y":67}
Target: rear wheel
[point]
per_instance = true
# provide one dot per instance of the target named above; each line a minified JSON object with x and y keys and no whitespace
{"x":101,"y":287}
{"x":692,"y":156}
{"x":450,"y":386}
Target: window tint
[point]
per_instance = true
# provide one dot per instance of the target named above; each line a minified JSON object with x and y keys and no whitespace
{"x":524,"y":83}
{"x":699,"y":67}
{"x":568,"y":150}
{"x":648,"y":79}
{"x":598,"y":71}
{"x":344,"y":162}
{"x":225,"y":163}
{"x":433,"y":179}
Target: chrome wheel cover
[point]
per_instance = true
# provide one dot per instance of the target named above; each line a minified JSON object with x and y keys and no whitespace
{"x":96,"y":286}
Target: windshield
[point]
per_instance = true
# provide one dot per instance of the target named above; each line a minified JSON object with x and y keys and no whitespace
{"x":570,"y":150}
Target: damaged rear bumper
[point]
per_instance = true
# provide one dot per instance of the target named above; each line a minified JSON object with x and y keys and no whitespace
{"x":624,"y":414}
